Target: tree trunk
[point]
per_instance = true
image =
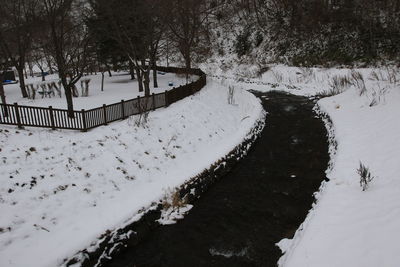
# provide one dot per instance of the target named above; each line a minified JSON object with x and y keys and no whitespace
{"x":49,"y":65}
{"x":131,"y":70}
{"x":102,"y":81}
{"x":188,"y":64}
{"x":146,"y":82}
{"x":20,"y":70}
{"x":3,"y":97}
{"x":42,"y":73}
{"x":155,"y":81}
{"x":188,"y":61}
{"x":146,"y":77}
{"x":108,"y":70}
{"x":30,"y":66}
{"x":167,"y":54}
{"x":68,"y":96}
{"x":139,"y":79}
{"x":68,"y":93}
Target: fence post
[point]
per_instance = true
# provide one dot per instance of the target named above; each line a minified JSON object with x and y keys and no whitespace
{"x":84,"y":120}
{"x":51,"y":118}
{"x":5,"y":110}
{"x":139,"y":105}
{"x":16,"y":109}
{"x":123,"y":109}
{"x":105,"y":113}
{"x":154,"y":101}
{"x":166,"y":98}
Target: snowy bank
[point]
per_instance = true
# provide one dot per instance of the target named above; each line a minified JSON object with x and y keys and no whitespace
{"x":61,"y":190}
{"x":347,"y":226}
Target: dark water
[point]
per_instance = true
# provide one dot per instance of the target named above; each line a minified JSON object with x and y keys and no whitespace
{"x":264,"y":199}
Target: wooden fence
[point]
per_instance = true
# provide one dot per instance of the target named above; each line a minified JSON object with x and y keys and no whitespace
{"x":54,"y":118}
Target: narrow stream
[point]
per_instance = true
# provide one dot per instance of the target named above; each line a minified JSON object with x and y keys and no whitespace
{"x":262,"y":200}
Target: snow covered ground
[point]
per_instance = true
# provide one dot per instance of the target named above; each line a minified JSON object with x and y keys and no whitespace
{"x":60,"y":190}
{"x":116,"y":88}
{"x":347,"y":227}
{"x":58,"y":186}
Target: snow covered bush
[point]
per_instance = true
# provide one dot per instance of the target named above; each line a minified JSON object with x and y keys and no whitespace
{"x":389,"y":74}
{"x":337,"y":85}
{"x":365,"y":176}
{"x":358,"y":82}
{"x":305,"y":75}
{"x":278,"y":76}
{"x":378,"y":95}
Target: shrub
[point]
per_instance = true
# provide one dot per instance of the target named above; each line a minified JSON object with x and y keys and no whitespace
{"x":365,"y":176}
{"x":172,"y":199}
{"x":337,"y":85}
{"x":306,"y":75}
{"x":389,"y":74}
{"x":378,"y":95}
{"x":392,"y":75}
{"x":278,"y":76}
{"x":358,"y":82}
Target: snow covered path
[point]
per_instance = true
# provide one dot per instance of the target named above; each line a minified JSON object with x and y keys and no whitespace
{"x":60,"y":190}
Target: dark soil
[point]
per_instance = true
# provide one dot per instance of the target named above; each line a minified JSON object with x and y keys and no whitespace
{"x":265,"y":198}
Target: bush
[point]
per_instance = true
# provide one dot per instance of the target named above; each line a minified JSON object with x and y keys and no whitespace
{"x":358,"y":82}
{"x":365,"y":176}
{"x":337,"y":85}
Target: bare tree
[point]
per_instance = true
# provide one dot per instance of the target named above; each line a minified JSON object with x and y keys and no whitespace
{"x":38,"y":58}
{"x":187,"y":23}
{"x":156,"y":29}
{"x":3,"y":67}
{"x":17,"y":24}
{"x":127,"y":23}
{"x":68,"y":41}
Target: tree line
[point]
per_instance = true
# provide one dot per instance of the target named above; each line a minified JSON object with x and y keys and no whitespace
{"x":74,"y":37}
{"x":319,"y":31}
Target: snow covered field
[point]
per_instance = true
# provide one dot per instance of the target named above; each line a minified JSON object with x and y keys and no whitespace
{"x":347,"y":227}
{"x":60,"y":190}
{"x":116,"y":88}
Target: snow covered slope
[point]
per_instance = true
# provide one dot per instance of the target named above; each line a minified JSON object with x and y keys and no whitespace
{"x":60,"y":190}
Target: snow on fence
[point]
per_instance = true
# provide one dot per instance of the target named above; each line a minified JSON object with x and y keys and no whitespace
{"x":54,"y":118}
